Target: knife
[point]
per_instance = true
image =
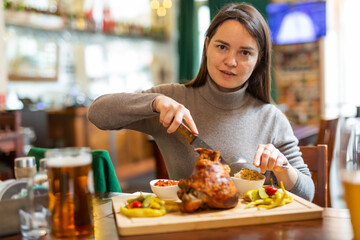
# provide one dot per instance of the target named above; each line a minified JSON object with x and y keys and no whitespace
{"x":194,"y":140}
{"x":197,"y":142}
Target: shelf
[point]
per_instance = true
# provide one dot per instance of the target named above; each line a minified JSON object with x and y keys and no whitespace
{"x":35,"y":20}
{"x":58,"y":27}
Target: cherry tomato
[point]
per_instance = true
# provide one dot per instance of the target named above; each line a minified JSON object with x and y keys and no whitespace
{"x":135,"y":204}
{"x":270,"y":190}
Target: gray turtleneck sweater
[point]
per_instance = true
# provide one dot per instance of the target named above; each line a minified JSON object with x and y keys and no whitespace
{"x":234,"y":123}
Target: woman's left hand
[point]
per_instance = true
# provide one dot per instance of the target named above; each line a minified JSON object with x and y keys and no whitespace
{"x":269,"y":158}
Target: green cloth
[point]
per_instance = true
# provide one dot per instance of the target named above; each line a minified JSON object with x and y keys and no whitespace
{"x":38,"y":153}
{"x":105,"y":179}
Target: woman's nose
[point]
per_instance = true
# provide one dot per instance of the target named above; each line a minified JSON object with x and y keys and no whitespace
{"x":231,"y":60}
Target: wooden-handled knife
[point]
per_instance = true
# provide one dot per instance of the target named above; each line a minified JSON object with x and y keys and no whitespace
{"x":194,"y":140}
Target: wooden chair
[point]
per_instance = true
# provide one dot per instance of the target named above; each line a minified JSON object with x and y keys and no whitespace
{"x":161,"y":171}
{"x":326,"y":135}
{"x":10,"y":121}
{"x":11,"y":142}
{"x":316,"y":159}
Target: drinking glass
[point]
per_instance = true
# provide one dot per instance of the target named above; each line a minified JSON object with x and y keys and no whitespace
{"x":34,"y":224}
{"x":349,"y":166}
{"x":70,"y":196}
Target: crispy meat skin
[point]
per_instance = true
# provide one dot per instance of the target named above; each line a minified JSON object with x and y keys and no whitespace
{"x":210,"y":186}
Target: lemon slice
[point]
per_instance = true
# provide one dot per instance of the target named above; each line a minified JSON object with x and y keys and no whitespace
{"x":262,"y":193}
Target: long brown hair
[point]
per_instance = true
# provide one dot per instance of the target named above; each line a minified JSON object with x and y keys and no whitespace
{"x":260,"y":80}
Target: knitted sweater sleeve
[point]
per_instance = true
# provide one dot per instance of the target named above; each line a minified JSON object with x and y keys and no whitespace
{"x":287,"y":143}
{"x":115,"y":111}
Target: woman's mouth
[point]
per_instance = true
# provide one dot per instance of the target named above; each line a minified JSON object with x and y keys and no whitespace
{"x":227,"y":73}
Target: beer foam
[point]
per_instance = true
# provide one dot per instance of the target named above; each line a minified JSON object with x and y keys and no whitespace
{"x":350,"y":176}
{"x":68,"y":161}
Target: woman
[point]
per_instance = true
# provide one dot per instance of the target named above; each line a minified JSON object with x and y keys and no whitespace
{"x":227,"y":104}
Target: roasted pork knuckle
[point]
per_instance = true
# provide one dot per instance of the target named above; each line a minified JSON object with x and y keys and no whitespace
{"x":210,"y":186}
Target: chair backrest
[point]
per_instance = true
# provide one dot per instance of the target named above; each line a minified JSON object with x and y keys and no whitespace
{"x":161,"y":171}
{"x":316,"y":159}
{"x":327,"y":135}
{"x":10,"y":121}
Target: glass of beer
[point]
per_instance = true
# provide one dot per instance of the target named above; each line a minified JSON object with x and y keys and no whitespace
{"x":70,"y":196}
{"x":349,"y":166}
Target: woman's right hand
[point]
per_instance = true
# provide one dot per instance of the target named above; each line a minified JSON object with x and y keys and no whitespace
{"x":173,"y":113}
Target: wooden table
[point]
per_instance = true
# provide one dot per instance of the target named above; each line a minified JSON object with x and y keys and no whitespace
{"x":334,"y":225}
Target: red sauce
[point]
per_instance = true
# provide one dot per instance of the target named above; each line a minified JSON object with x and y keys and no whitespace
{"x":166,"y":183}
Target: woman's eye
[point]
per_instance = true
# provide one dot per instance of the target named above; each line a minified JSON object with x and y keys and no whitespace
{"x":246,"y":53}
{"x":222,"y":47}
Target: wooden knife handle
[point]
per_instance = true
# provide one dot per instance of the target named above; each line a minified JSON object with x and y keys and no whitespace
{"x":184,"y":130}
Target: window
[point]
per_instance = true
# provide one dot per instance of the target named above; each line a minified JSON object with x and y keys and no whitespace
{"x":342,"y":53}
{"x":203,"y":13}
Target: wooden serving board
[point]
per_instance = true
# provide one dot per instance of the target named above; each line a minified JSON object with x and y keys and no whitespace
{"x":299,"y":209}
